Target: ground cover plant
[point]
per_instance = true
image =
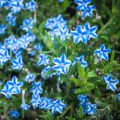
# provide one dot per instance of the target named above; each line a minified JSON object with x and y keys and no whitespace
{"x":59,"y":60}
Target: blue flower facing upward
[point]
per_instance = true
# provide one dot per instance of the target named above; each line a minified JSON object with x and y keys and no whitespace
{"x":61,"y":64}
{"x":32,"y":5}
{"x":6,"y":91}
{"x":30,"y":77}
{"x":44,"y":103}
{"x":84,"y":33}
{"x":27,"y":24}
{"x":16,"y":6}
{"x":35,"y":101}
{"x":14,"y":114}
{"x":91,"y":31}
{"x":88,"y":11}
{"x":15,"y":85}
{"x":36,"y":89}
{"x":17,"y":63}
{"x":11,"y":19}
{"x":102,"y":53}
{"x":82,"y":4}
{"x":57,"y":106}
{"x":111,"y":84}
{"x":81,"y":60}
{"x":82,"y":98}
{"x":4,"y":55}
{"x":43,"y":60}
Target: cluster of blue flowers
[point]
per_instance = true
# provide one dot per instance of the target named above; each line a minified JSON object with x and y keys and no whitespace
{"x":57,"y":27}
{"x":85,"y":7}
{"x":87,"y":107}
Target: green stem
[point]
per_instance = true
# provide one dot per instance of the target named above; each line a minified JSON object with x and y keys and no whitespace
{"x":106,"y":25}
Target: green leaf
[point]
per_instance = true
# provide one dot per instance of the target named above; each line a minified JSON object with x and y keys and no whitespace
{"x":75,"y":81}
{"x":88,"y":87}
{"x":92,"y":74}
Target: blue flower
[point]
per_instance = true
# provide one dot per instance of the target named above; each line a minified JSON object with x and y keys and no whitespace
{"x":15,"y":85}
{"x":14,"y":114}
{"x":45,"y":70}
{"x":80,"y":34}
{"x":44,"y":103}
{"x":81,"y":60}
{"x":82,"y":98}
{"x":36,"y":89}
{"x":88,"y":11}
{"x":17,"y":63}
{"x":30,"y":77}
{"x":35,"y":101}
{"x":25,"y":107}
{"x":91,"y":108}
{"x":4,"y":55}
{"x":2,"y":29}
{"x":61,"y":64}
{"x":27,"y":24}
{"x":87,"y":107}
{"x":16,"y":6}
{"x":43,"y":60}
{"x":57,"y":106}
{"x":82,"y":4}
{"x":90,"y":31}
{"x":102,"y":53}
{"x":111,"y":84}
{"x":32,"y":5}
{"x":11,"y":19}
{"x":2,"y":3}
{"x":6,"y":91}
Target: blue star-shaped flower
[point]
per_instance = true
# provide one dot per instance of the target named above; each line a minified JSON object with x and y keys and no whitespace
{"x":90,"y":31}
{"x":15,"y":85}
{"x":2,"y":3}
{"x":57,"y":106}
{"x":35,"y":101}
{"x":61,"y":64}
{"x":11,"y":19}
{"x":91,"y":108}
{"x":88,"y":11}
{"x":14,"y":114}
{"x":82,"y":4}
{"x":2,"y":29}
{"x":6,"y":91}
{"x":27,"y":24}
{"x":102,"y":53}
{"x":43,"y":59}
{"x":25,"y":106}
{"x":4,"y":55}
{"x":32,"y":5}
{"x":30,"y":77}
{"x":81,"y":60}
{"x":80,"y":34}
{"x":82,"y":98}
{"x":36,"y":89}
{"x":45,"y":102}
{"x":111,"y":84}
{"x":16,"y":6}
{"x":17,"y":63}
